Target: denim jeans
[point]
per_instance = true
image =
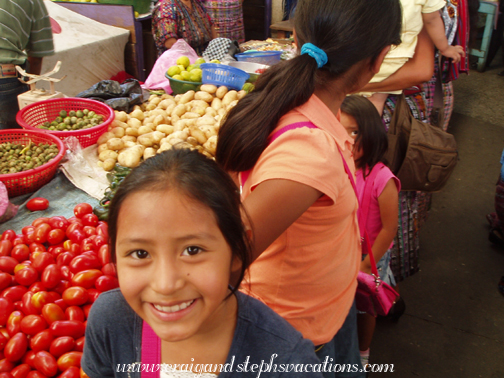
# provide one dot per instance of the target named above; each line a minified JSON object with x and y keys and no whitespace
{"x":342,"y":352}
{"x":10,"y":88}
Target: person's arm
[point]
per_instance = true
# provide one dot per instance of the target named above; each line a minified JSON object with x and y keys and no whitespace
{"x":35,"y":65}
{"x":388,"y":202}
{"x":214,"y":32}
{"x":416,"y":70}
{"x":434,"y":25}
{"x":170,"y":42}
{"x":273,"y":206}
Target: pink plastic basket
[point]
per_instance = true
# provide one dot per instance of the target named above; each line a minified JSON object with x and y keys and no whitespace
{"x":37,"y":113}
{"x":32,"y":179}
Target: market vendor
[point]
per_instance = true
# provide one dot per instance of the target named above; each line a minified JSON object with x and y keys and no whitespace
{"x":187,"y":19}
{"x":26,"y":33}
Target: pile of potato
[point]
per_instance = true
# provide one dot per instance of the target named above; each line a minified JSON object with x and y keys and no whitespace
{"x":190,"y":120}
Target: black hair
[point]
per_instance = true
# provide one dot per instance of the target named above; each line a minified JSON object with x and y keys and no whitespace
{"x":197,"y":177}
{"x":348,"y":31}
{"x":372,"y":137}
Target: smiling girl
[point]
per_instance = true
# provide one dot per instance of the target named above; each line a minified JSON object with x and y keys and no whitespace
{"x":176,"y":237}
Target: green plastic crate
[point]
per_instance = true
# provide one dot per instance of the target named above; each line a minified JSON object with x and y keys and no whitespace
{"x":141,"y":6}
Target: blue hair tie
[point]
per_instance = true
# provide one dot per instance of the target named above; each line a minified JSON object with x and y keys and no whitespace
{"x":316,"y":53}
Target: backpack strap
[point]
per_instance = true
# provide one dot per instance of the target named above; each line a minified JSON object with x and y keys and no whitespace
{"x":245,"y":174}
{"x":151,"y":351}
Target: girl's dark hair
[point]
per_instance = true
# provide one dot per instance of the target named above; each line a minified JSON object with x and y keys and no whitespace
{"x":372,"y":137}
{"x":197,"y":177}
{"x":349,"y":31}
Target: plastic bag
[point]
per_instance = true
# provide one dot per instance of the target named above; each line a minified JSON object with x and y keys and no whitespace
{"x":118,"y":96}
{"x":7,"y":209}
{"x":157,"y":78}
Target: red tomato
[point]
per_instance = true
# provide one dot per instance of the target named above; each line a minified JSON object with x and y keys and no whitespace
{"x":76,"y":236}
{"x":26,"y":229}
{"x":14,"y":322}
{"x":16,"y":347}
{"x":5,"y":280}
{"x":52,"y":312}
{"x":66,"y":273}
{"x":35,"y":374}
{"x":72,"y":328}
{"x":51,"y":276}
{"x":5,"y":247}
{"x":104,"y":254}
{"x":8,"y":235}
{"x":102,"y":229}
{"x":21,"y":371}
{"x":52,"y":296}
{"x":86,"y":278}
{"x":14,"y":293}
{"x":79,"y":344}
{"x":6,"y":375}
{"x":62,"y":345}
{"x":82,"y":209}
{"x":98,"y":241}
{"x":37,"y":204}
{"x":73,"y":227}
{"x":93,"y":294}
{"x":75,"y":296}
{"x":89,"y":220}
{"x":83,"y":374}
{"x":71,"y":372}
{"x":28,"y":307}
{"x":6,"y":365}
{"x":109,"y":269}
{"x":41,"y":341}
{"x":46,"y":363}
{"x":56,"y":236}
{"x":42,"y":260}
{"x":29,"y":358}
{"x":41,"y":232}
{"x":86,"y":309}
{"x":59,"y":222}
{"x":87,"y":245}
{"x":7,"y":264}
{"x":36,"y":287}
{"x":20,"y":252}
{"x":37,"y":247}
{"x":39,"y":299}
{"x":106,"y":283}
{"x":75,"y":313}
{"x":6,"y":307}
{"x":18,"y":240}
{"x":26,"y":276}
{"x":84,"y":262}
{"x":39,"y":221}
{"x":33,"y":324}
{"x":64,"y":259}
{"x":62,"y":286}
{"x":89,"y":231}
{"x":69,"y":359}
{"x":56,"y":250}
{"x":3,"y":340}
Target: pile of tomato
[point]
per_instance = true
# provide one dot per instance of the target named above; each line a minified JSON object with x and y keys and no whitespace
{"x":49,"y":277}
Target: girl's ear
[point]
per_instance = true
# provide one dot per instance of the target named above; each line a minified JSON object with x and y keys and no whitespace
{"x":379,"y":59}
{"x":236,"y":265}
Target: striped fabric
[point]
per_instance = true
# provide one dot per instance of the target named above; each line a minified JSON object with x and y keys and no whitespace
{"x":25,"y":29}
{"x":227,"y":16}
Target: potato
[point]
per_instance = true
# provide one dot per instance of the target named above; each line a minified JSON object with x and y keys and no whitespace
{"x":211,"y":144}
{"x":178,"y":110}
{"x":211,"y":111}
{"x":129,"y":138}
{"x":152,"y":97}
{"x":132,"y":131}
{"x":102,"y":147}
{"x":128,"y":144}
{"x":229,"y":97}
{"x":241,"y":94}
{"x":167,"y":129}
{"x":216,"y":103}
{"x":105,"y":137}
{"x":165,"y":103}
{"x":145,"y":129}
{"x":154,"y":100}
{"x":107,"y":154}
{"x":149,"y":152}
{"x":205,"y":120}
{"x":115,"y":144}
{"x":133,"y":122}
{"x":201,"y":95}
{"x":190,"y":115}
{"x":121,"y":116}
{"x":117,"y":123}
{"x":109,"y":164}
{"x":197,"y":134}
{"x":209,"y":131}
{"x":146,"y":140}
{"x":164,"y":147}
{"x":119,"y":132}
{"x":159,"y":120}
{"x":138,"y":114}
{"x":209,"y":88}
{"x":130,"y":157}
{"x":186,"y":97}
{"x":150,"y":107}
{"x":174,"y":119}
{"x":221,"y":91}
{"x":177,"y":98}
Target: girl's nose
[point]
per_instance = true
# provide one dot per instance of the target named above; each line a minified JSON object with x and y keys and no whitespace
{"x":166,"y":277}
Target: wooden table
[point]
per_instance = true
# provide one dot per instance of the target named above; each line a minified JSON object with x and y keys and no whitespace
{"x":282,"y":28}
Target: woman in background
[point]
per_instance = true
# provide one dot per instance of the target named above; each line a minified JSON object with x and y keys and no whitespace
{"x":187,"y":19}
{"x":227,"y":17}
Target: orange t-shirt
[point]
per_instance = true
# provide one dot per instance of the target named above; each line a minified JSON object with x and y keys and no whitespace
{"x":309,"y":274}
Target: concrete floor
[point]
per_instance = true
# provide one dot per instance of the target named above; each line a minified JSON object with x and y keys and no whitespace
{"x":454,"y":320}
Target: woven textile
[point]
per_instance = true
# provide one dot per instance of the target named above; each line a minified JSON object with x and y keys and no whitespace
{"x":227,"y":17}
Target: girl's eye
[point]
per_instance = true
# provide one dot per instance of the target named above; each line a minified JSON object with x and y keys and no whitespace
{"x":139,"y":254}
{"x":191,"y":251}
{"x":354,"y":133}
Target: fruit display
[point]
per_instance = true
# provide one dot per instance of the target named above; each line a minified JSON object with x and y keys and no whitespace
{"x":50,"y":275}
{"x":190,"y":120}
{"x":16,"y":158}
{"x":185,"y":71}
{"x":73,"y":120}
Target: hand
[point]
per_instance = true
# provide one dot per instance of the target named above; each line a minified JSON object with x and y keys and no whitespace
{"x":455,"y":53}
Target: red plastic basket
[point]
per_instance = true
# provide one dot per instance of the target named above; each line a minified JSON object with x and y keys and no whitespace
{"x":32,"y":179}
{"x":39,"y":112}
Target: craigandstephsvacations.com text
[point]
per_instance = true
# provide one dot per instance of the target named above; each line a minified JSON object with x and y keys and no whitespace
{"x":259,"y":368}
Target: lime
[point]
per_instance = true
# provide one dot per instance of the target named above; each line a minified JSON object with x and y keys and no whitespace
{"x":183,"y":60}
{"x":178,"y":77}
{"x":195,"y":75}
{"x":173,"y":70}
{"x":190,"y":67}
{"x":215,"y":61}
{"x":185,"y":75}
{"x":200,"y":61}
{"x":182,"y":68}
